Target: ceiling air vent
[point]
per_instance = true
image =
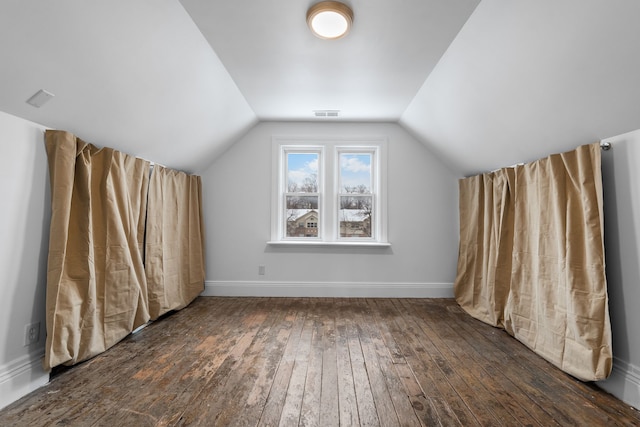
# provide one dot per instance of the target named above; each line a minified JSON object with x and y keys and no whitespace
{"x":40,"y":98}
{"x":326,"y":113}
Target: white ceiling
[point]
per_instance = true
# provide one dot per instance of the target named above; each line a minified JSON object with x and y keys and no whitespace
{"x":525,"y":79}
{"x":133,"y":75}
{"x":285,"y":73}
{"x":482,"y":85}
{"x":139,"y":75}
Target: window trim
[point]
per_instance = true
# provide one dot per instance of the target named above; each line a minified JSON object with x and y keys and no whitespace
{"x":328,"y":182}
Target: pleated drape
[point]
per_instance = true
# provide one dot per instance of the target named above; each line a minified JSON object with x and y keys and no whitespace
{"x":533,"y":261}
{"x":96,"y":285}
{"x":123,"y":248}
{"x":486,"y":234}
{"x":174,"y":244}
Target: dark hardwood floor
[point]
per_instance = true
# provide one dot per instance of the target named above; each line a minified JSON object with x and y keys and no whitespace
{"x":318,"y":362}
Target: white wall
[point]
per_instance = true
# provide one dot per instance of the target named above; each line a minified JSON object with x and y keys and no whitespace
{"x":422,"y":228}
{"x":621,"y":179}
{"x":24,"y":227}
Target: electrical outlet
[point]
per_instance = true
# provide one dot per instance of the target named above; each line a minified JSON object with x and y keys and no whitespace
{"x":31,"y":333}
{"x":261,"y":269}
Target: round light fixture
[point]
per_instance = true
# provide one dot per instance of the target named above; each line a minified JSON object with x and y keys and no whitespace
{"x":330,"y":19}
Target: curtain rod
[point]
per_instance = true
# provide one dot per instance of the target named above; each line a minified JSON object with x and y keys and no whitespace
{"x":605,"y":146}
{"x":151,"y":162}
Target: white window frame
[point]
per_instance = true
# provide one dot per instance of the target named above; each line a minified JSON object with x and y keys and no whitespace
{"x":329,"y":150}
{"x":282,"y":188}
{"x":375,"y":189}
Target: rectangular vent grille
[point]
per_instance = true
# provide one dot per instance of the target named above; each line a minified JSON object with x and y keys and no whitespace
{"x":40,"y":98}
{"x":326,"y":113}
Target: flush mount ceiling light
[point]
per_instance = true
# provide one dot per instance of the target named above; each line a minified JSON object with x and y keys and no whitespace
{"x":330,"y":19}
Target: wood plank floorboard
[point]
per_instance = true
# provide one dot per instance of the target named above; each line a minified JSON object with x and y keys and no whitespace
{"x":317,"y":362}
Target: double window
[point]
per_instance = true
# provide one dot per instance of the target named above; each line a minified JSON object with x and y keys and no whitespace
{"x":329,"y":192}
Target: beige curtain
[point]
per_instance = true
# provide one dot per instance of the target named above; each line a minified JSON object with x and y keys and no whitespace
{"x":96,"y":286}
{"x":486,"y":234}
{"x":174,"y":243}
{"x":553,"y":246}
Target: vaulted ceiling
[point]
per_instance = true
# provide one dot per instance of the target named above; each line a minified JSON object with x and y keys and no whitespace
{"x":481,"y":84}
{"x":285,"y":72}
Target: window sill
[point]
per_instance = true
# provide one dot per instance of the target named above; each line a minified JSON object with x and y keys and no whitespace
{"x":334,"y":244}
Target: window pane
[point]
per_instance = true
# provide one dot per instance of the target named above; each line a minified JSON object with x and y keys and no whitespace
{"x":302,"y":172}
{"x":302,"y":216}
{"x":355,"y":173}
{"x":355,"y":216}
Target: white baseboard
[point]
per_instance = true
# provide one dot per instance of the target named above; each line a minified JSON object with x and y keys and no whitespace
{"x":624,"y":382}
{"x":327,"y":289}
{"x":21,"y":376}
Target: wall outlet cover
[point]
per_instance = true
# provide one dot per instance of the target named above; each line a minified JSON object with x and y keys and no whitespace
{"x":31,"y":333}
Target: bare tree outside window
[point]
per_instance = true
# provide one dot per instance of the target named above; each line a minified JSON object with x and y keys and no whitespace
{"x":355,"y":198}
{"x":302,"y":197}
{"x":329,"y":192}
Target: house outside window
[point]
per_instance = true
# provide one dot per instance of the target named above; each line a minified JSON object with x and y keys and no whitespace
{"x":329,"y":191}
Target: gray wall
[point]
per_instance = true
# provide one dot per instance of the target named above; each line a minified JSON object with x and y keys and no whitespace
{"x":422,"y":227}
{"x":24,"y":227}
{"x":621,"y":179}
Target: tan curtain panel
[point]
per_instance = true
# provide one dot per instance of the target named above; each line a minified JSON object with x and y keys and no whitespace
{"x":548,"y":232}
{"x":96,"y":286}
{"x":175,"y":240}
{"x":486,"y":235}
